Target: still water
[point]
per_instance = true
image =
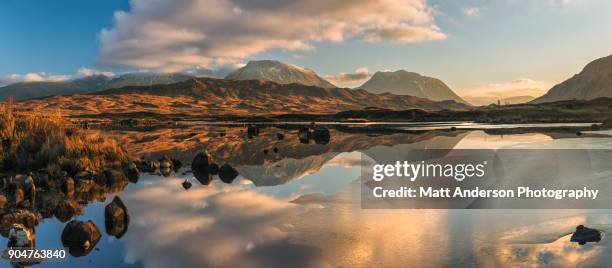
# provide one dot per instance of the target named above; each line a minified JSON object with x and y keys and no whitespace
{"x":301,"y":207}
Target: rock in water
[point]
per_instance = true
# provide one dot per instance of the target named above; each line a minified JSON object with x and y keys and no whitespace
{"x":21,"y":236}
{"x":320,"y":135}
{"x":21,"y":216}
{"x":68,"y":187}
{"x":584,"y":235}
{"x":204,"y":178}
{"x":64,"y":211}
{"x":116,"y":218}
{"x":227,"y":173}
{"x":304,"y":135}
{"x":252,"y":131}
{"x":280,"y":136}
{"x":80,"y":237}
{"x":213,"y":169}
{"x":200,"y":162}
{"x":186,"y":184}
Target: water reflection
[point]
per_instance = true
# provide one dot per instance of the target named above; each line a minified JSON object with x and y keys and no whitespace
{"x":270,"y":200}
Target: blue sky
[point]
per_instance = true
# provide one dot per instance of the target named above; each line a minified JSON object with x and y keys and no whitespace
{"x":474,"y":46}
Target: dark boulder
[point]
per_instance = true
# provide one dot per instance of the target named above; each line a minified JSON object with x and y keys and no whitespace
{"x":186,"y":184}
{"x":176,"y":164}
{"x":320,"y":135}
{"x":252,"y":131}
{"x":203,"y":177}
{"x":80,"y":237}
{"x":200,"y":162}
{"x":584,"y":235}
{"x":64,"y":211}
{"x":213,"y":169}
{"x":132,"y":173}
{"x":116,"y":218}
{"x":304,"y":135}
{"x":227,"y":173}
{"x":280,"y":136}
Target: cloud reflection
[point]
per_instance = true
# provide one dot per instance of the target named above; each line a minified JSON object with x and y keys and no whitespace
{"x":216,"y":225}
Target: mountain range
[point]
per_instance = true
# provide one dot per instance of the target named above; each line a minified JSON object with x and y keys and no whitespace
{"x":31,"y":90}
{"x":594,"y":81}
{"x":218,"y":97}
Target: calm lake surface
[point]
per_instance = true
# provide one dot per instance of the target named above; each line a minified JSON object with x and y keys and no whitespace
{"x":301,"y":207}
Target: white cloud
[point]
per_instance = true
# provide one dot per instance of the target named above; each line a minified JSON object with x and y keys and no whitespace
{"x":359,"y":76}
{"x":491,"y":92}
{"x":170,"y":36}
{"x":32,"y":77}
{"x":472,"y":12}
{"x":89,"y":72}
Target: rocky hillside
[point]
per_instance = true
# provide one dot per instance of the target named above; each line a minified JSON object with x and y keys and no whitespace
{"x":276,"y":71}
{"x":209,"y":96}
{"x":31,"y":90}
{"x":407,"y":83}
{"x":594,"y":81}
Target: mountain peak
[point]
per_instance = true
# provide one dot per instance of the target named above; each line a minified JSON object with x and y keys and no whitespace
{"x":279,"y":72}
{"x":594,"y":81}
{"x":402,"y":82}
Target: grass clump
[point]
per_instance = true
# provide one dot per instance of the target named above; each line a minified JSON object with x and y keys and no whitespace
{"x":31,"y":141}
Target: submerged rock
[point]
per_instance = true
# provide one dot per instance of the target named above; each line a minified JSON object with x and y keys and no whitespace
{"x":227,"y":173}
{"x":200,"y":162}
{"x":80,"y":237}
{"x":582,"y":235}
{"x":116,"y":218}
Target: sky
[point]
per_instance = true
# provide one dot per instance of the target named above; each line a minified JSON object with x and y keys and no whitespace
{"x":478,"y":48}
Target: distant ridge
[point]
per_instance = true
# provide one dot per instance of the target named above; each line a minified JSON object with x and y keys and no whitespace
{"x":31,"y":90}
{"x":594,"y":81}
{"x":408,"y":83}
{"x":279,"y":72}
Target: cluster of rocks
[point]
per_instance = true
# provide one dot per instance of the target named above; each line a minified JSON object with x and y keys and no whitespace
{"x":26,"y":199}
{"x":164,"y":166}
{"x":306,"y":134}
{"x":204,"y":170}
{"x":319,"y":134}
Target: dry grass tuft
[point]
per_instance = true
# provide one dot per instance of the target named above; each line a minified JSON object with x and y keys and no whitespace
{"x":34,"y":141}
